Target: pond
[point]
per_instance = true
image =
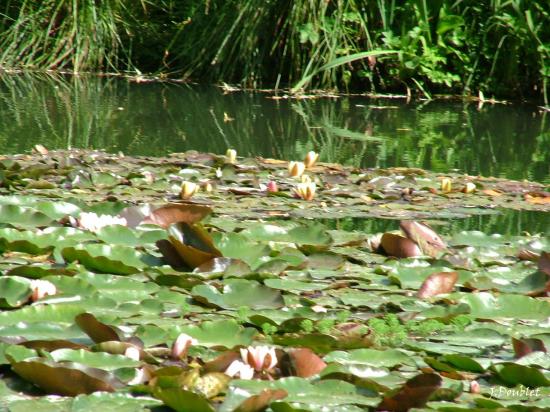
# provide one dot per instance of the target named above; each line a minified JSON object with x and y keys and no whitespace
{"x":154,"y":119}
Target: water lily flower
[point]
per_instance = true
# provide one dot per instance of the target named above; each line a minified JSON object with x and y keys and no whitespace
{"x":94,"y":222}
{"x":240,"y":369}
{"x":475,"y":387}
{"x":305,"y":191}
{"x":208,"y":188}
{"x":446,"y":185}
{"x":42,"y":288}
{"x":231,"y":155}
{"x":188,"y":189}
{"x":260,"y":357}
{"x":469,"y":188}
{"x":296,"y":169}
{"x":132,"y":352}
{"x":306,"y":179}
{"x":182,"y":344}
{"x":272,"y":187}
{"x":311,"y":159}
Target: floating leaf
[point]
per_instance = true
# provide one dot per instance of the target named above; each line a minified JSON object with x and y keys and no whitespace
{"x":65,"y":378}
{"x":438,"y":283}
{"x":414,"y":394}
{"x":98,"y":331}
{"x":105,"y":258}
{"x":188,"y":213}
{"x":305,"y":363}
{"x":424,"y":236}
{"x":193,"y":244}
{"x":257,"y":296}
{"x":399,"y":246}
{"x":226,"y":333}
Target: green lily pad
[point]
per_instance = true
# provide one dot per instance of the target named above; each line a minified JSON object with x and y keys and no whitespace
{"x":237,"y":293}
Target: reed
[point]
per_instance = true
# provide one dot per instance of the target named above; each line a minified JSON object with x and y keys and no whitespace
{"x":498,"y":47}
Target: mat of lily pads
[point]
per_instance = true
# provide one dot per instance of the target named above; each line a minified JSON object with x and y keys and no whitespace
{"x":118,"y":295}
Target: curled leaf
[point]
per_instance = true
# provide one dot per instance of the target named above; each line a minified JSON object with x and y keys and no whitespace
{"x":399,"y":246}
{"x":424,"y":236}
{"x":437,"y":284}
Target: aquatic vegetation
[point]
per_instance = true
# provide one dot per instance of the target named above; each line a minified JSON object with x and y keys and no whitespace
{"x":242,"y":299}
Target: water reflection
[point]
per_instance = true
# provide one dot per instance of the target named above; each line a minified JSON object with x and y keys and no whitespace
{"x":155,"y":119}
{"x":508,"y":222}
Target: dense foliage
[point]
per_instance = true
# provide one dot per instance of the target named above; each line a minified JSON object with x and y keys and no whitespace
{"x":498,"y":47}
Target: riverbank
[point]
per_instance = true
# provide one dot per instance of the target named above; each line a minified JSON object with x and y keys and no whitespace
{"x":424,"y":48}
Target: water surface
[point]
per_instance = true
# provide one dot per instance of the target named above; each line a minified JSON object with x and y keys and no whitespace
{"x":155,"y":119}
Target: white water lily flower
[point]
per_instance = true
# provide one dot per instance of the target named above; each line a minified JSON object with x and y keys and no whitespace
{"x":94,"y":222}
{"x":305,"y":191}
{"x":311,"y":159}
{"x":240,"y":369}
{"x":188,"y":189}
{"x":132,"y":352}
{"x":41,"y":288}
{"x":296,"y":169}
{"x":182,"y":344}
{"x":260,"y":357}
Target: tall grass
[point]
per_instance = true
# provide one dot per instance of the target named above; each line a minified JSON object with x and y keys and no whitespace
{"x":498,"y":47}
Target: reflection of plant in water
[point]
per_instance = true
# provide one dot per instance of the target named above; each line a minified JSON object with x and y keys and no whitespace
{"x":149,"y":119}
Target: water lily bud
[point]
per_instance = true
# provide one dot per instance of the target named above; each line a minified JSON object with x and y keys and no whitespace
{"x":305,"y":191}
{"x":231,"y":155}
{"x":182,"y":344}
{"x":296,"y":169}
{"x":188,"y":189}
{"x":272,"y":187}
{"x":306,"y":179}
{"x":474,"y":387}
{"x":132,"y":352}
{"x":208,"y":187}
{"x":42,"y":288}
{"x":446,"y":185}
{"x":469,"y":188}
{"x":148,"y":176}
{"x":311,"y":159}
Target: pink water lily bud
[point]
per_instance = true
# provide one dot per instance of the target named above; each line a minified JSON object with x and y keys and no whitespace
{"x":305,"y":191}
{"x":260,"y":357}
{"x":311,"y":159}
{"x":132,"y":352}
{"x":272,"y":187}
{"x":41,"y":289}
{"x":188,"y":189}
{"x":474,"y":387}
{"x":240,"y":369}
{"x":296,"y":169}
{"x":182,"y":344}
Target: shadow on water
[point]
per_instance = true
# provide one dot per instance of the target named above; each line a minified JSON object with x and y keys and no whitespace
{"x":158,"y":118}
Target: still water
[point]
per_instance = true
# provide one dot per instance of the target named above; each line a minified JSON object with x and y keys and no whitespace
{"x":154,"y":119}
